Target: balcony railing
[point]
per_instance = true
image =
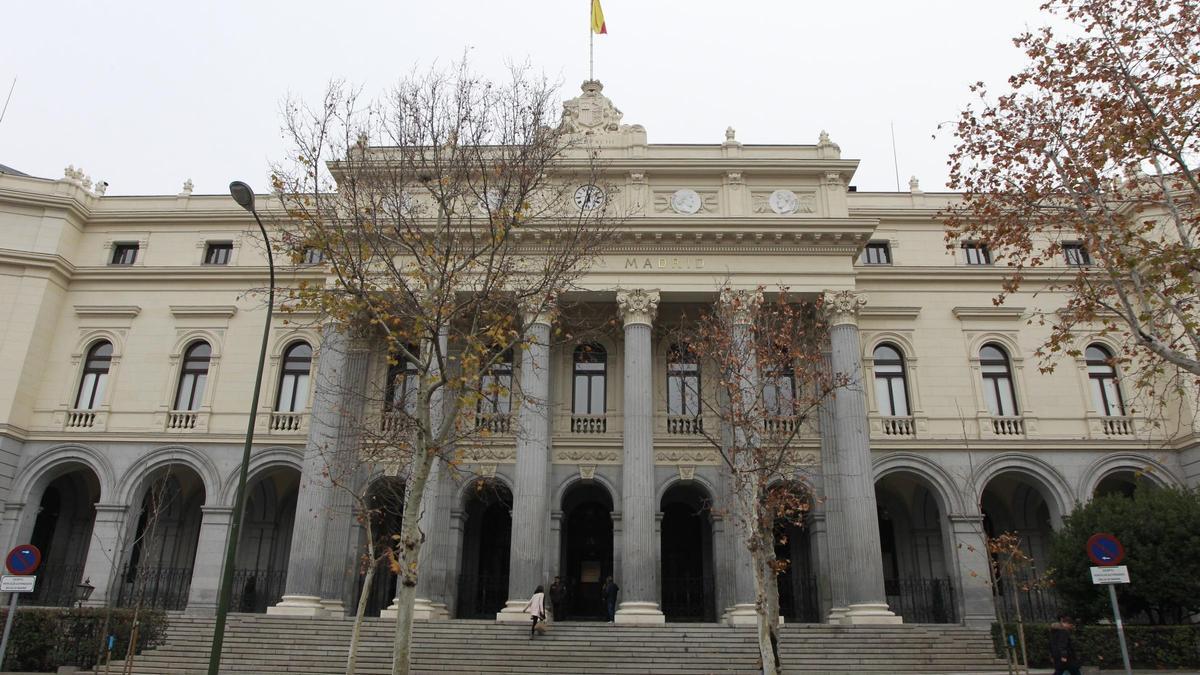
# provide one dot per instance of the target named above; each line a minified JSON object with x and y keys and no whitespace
{"x":495,"y":423}
{"x":898,"y":426}
{"x":1117,"y":426}
{"x":589,"y":424}
{"x":1008,"y":426}
{"x":782,"y":425}
{"x":81,"y":419}
{"x":392,"y":421}
{"x":181,"y":420}
{"x":685,"y":425}
{"x":286,"y":422}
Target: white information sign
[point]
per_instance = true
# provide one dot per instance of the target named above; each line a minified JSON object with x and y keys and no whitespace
{"x":17,"y":584}
{"x":1118,"y":574}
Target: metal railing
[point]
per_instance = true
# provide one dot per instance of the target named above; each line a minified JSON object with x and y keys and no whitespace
{"x":688,"y":598}
{"x":56,"y":586}
{"x":481,"y":596}
{"x":256,"y":590}
{"x":1037,"y":599}
{"x":383,"y":590}
{"x":156,"y":587}
{"x":799,"y":599}
{"x":922,"y":600}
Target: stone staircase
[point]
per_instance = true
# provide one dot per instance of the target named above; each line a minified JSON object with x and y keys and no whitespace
{"x":264,"y":644}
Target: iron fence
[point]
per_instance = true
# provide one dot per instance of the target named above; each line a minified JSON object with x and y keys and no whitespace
{"x":688,"y":598}
{"x":922,"y":600}
{"x":156,"y":587}
{"x":256,"y":590}
{"x":383,"y":590}
{"x":1034,"y":595}
{"x":56,"y":586}
{"x":481,"y":596}
{"x":799,"y":598}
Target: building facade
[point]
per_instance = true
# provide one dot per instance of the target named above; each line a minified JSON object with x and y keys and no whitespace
{"x":130,"y":339}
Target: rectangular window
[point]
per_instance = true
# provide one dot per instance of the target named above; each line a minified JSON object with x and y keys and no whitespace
{"x":877,"y":253}
{"x":124,"y":254}
{"x":313,"y":256}
{"x":977,"y":253}
{"x":1076,"y":254}
{"x":218,"y":253}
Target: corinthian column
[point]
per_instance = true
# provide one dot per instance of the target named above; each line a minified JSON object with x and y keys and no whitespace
{"x":531,"y":498}
{"x":862,"y":561}
{"x":639,"y":568}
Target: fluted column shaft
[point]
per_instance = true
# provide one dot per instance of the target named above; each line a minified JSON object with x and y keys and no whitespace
{"x":639,"y":568}
{"x":741,"y":306}
{"x":862,"y":562}
{"x":831,"y":574}
{"x":531,"y":497}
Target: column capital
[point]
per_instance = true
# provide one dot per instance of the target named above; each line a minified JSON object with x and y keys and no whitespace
{"x":534,"y":312}
{"x":742,"y":304}
{"x":842,"y":307}
{"x":637,"y":305}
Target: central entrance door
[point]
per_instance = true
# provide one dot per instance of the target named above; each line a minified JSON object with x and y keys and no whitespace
{"x":687,"y":569}
{"x":587,"y":549}
{"x":487,"y":535}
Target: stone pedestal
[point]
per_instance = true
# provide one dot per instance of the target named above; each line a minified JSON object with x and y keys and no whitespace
{"x":101,"y":564}
{"x":975,"y":602}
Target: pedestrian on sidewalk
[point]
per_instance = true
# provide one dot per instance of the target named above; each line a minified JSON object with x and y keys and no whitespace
{"x":610,"y":599}
{"x":1062,"y":647}
{"x":536,"y":608}
{"x":558,"y":599}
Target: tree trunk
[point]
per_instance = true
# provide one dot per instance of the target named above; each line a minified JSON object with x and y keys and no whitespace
{"x":411,"y":539}
{"x":767,"y":605}
{"x":356,"y":632}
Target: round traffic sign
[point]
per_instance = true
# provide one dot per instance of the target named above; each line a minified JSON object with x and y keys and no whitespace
{"x":1105,"y":550}
{"x":23,"y":559}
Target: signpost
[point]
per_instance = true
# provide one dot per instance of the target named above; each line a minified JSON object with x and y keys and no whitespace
{"x":22,"y":562}
{"x":1107,"y":552}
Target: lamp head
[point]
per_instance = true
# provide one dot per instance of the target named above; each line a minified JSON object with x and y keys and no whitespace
{"x":242,"y":194}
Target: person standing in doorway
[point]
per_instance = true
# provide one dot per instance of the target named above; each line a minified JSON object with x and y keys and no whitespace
{"x":536,"y":608}
{"x":1062,"y":647}
{"x":558,"y":599}
{"x":610,"y":599}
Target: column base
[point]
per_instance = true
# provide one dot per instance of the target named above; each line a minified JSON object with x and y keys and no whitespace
{"x":199,"y":609}
{"x":640,"y":613}
{"x":302,"y":606}
{"x":334,"y":607}
{"x":870,"y":613}
{"x":513,"y":612}
{"x":423,"y":610}
{"x":741,"y":615}
{"x":836,"y":614}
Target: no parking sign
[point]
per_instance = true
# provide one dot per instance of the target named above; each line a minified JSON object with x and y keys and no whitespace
{"x":23,"y":559}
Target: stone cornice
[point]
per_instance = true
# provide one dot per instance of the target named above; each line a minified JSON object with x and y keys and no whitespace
{"x":207,"y":311}
{"x":1002,"y":312}
{"x":53,"y":264}
{"x":876,"y":312}
{"x":108,"y":311}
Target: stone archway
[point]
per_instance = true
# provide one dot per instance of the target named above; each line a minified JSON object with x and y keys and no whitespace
{"x":487,"y":538}
{"x":916,"y":561}
{"x":260,"y":572}
{"x":1123,"y":483}
{"x":385,"y":502}
{"x":799,"y":595}
{"x":586,"y":548}
{"x":162,"y":544}
{"x":62,"y":531}
{"x":1018,"y":503}
{"x":686,"y":554}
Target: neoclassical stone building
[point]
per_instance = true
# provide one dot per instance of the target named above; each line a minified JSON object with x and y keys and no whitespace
{"x":129,"y":341}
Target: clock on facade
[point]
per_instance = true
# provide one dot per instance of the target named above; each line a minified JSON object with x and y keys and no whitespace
{"x":686,"y":201}
{"x":589,"y":197}
{"x":784,"y":201}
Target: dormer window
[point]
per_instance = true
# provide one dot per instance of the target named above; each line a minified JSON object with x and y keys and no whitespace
{"x":977,"y":253}
{"x":218,"y":252}
{"x":877,"y":253}
{"x":1076,"y":254}
{"x":124,"y":254}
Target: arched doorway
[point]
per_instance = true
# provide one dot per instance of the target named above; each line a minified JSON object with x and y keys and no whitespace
{"x":265,"y":540}
{"x":587,"y":548}
{"x":1123,"y":483}
{"x":915,"y":561}
{"x":162,"y":547}
{"x":487,"y":534}
{"x":385,"y":503}
{"x":62,"y":532}
{"x":799,"y":599}
{"x":687,"y":554}
{"x":1015,"y":503}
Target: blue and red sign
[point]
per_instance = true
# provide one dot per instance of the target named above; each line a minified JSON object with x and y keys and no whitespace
{"x":1105,"y":550}
{"x":23,"y":559}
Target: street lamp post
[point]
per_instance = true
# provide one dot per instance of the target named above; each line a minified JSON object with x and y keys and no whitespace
{"x":244,"y":196}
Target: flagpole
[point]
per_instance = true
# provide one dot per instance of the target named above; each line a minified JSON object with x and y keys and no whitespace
{"x":591,"y":44}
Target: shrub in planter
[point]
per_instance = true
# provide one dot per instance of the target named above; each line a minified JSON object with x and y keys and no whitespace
{"x":43,"y":639}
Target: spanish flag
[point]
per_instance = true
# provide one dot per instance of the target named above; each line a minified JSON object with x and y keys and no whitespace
{"x":598,"y":19}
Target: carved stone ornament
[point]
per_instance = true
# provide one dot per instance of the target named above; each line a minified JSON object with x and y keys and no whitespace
{"x":687,"y":472}
{"x":534,"y":312}
{"x":490,"y":455}
{"x":637,"y":305}
{"x":742,"y":303}
{"x":688,"y":457}
{"x":487,"y":470}
{"x":593,"y":113}
{"x":843,"y":306}
{"x":590,"y":456}
{"x":587,"y":472}
{"x":768,"y":202}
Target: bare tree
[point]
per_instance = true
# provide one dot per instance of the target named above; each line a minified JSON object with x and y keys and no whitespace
{"x":441,"y":212}
{"x":771,"y":381}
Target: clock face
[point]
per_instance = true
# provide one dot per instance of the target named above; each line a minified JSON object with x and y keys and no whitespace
{"x":783,"y":201}
{"x":589,"y":197}
{"x":686,"y":201}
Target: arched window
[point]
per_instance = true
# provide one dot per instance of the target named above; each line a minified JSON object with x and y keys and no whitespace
{"x":294,"y":378}
{"x":193,"y":376}
{"x":1102,"y":374}
{"x":590,"y":374}
{"x":496,"y":385}
{"x":403,"y":380}
{"x":779,"y":389}
{"x":683,"y":382}
{"x":891,"y":388}
{"x":997,"y":381}
{"x":95,"y":376}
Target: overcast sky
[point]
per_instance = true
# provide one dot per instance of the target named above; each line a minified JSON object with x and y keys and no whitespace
{"x":147,"y":94}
